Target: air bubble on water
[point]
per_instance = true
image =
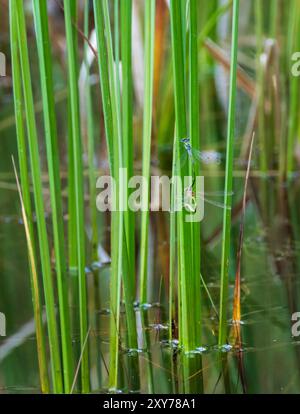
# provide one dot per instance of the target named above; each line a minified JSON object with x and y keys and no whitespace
{"x":145,"y":306}
{"x":131,"y":352}
{"x":226,"y":348}
{"x":158,"y":327}
{"x":201,"y":349}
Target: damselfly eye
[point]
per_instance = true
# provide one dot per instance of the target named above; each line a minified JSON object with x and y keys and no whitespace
{"x":185,"y":140}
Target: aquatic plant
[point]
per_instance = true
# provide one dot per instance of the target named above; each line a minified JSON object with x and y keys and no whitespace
{"x":150,"y":88}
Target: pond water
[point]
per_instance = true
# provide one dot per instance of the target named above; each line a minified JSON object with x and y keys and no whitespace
{"x":270,"y":354}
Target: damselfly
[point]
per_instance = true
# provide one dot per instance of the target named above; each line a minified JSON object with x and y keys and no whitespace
{"x":194,"y":155}
{"x":189,"y":199}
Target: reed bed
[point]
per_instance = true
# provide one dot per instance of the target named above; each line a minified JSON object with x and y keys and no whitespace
{"x":142,"y":79}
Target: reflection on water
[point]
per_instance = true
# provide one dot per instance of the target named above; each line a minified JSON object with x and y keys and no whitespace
{"x":270,"y":355}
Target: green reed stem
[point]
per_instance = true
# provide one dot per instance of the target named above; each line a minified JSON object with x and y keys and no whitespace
{"x":127,"y":127}
{"x":173,"y":248}
{"x":114,"y":144}
{"x":129,"y":218}
{"x":187,"y":319}
{"x":25,"y":190}
{"x":228,"y":179}
{"x":79,"y":205}
{"x":118,"y":264}
{"x":46,"y":72}
{"x":38,"y":198}
{"x":194,"y":103}
{"x":72,"y":232}
{"x":117,"y":52}
{"x":147,"y":129}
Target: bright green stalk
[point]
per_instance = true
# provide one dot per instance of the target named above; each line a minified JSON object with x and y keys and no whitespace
{"x":117,"y":266}
{"x":181,"y":131}
{"x":147,"y":128}
{"x":72,"y":232}
{"x":117,"y":52}
{"x":72,"y":248}
{"x":43,"y":43}
{"x":127,"y":135}
{"x":114,"y":142}
{"x":91,"y":142}
{"x":187,"y":324}
{"x":228,"y":179}
{"x":127,"y":126}
{"x":194,"y":134}
{"x":79,"y":206}
{"x":39,"y":203}
{"x":172,"y":262}
{"x":25,"y":185}
{"x":149,"y":22}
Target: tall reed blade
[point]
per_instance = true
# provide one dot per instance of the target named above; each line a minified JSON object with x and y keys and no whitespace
{"x":18,"y":14}
{"x":127,"y":127}
{"x":129,"y":284}
{"x":147,"y":127}
{"x":43,"y":43}
{"x":187,"y":326}
{"x":228,"y":180}
{"x":24,"y":193}
{"x":79,"y":199}
{"x":114,"y":144}
{"x":72,"y":232}
{"x":194,"y":102}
